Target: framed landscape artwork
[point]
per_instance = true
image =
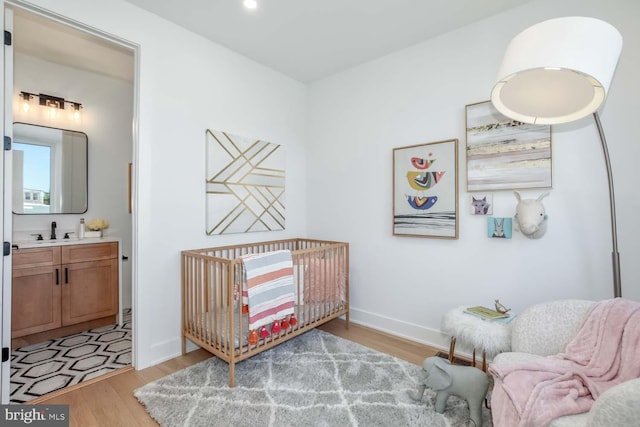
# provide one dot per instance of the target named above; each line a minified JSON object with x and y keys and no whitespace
{"x":504,"y":154}
{"x":425,"y":190}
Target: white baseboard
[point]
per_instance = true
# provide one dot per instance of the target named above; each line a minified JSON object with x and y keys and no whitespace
{"x":166,"y":349}
{"x":191,"y":346}
{"x":399,"y":328}
{"x":410,"y":331}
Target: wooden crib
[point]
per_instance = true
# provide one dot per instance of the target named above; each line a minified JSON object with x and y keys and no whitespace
{"x":212,"y":312}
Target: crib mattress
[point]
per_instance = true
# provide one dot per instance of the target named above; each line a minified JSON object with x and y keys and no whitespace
{"x":218,"y":332}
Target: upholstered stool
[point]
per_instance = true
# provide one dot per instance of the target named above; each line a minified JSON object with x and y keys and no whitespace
{"x":489,"y":336}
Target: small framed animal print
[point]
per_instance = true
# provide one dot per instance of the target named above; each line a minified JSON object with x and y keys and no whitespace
{"x":482,"y":204}
{"x":499,"y":228}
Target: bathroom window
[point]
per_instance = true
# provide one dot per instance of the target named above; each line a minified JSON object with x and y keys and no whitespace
{"x":33,"y":164}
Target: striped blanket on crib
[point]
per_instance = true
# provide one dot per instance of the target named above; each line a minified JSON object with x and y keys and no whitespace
{"x":267,"y":286}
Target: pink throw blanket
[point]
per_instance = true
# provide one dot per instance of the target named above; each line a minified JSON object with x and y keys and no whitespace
{"x":604,"y":353}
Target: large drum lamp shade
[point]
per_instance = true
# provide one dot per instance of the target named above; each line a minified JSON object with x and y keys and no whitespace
{"x":557,"y":71}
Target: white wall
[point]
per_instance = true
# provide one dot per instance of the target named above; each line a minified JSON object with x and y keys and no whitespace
{"x":353,"y":122}
{"x":188,"y":84}
{"x":418,"y":95}
{"x":106,"y":119}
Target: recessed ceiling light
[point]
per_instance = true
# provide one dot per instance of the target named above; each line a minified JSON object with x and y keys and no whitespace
{"x":250,"y":4}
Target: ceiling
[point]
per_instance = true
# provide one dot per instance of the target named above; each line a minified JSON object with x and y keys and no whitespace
{"x":308,"y":40}
{"x":54,"y":42}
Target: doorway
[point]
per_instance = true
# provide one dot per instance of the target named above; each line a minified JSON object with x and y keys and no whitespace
{"x":64,"y":60}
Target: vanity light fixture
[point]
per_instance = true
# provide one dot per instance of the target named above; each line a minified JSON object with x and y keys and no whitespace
{"x":26,"y":100}
{"x":75,"y":108}
{"x":52,"y":103}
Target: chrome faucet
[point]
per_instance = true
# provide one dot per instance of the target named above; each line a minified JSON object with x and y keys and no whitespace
{"x":53,"y":230}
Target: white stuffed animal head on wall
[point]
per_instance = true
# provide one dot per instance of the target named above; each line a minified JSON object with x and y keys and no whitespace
{"x":531,"y":217}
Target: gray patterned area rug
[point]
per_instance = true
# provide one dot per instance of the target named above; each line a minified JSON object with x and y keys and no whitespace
{"x":316,"y":379}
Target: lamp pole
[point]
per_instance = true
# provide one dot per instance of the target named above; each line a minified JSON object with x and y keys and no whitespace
{"x":615,"y":256}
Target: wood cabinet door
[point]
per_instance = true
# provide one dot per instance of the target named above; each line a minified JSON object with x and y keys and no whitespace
{"x":92,"y":252}
{"x":35,"y":300}
{"x":35,"y":257}
{"x":89,"y":291}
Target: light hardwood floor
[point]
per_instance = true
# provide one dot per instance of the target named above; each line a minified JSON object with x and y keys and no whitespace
{"x":110,"y":402}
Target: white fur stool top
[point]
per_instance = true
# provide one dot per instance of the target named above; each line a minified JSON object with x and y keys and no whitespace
{"x":490,"y":336}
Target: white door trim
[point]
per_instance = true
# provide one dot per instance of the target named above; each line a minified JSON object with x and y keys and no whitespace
{"x":5,"y":205}
{"x":5,"y":320}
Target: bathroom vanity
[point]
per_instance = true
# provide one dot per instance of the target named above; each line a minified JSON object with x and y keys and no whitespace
{"x":65,"y":287}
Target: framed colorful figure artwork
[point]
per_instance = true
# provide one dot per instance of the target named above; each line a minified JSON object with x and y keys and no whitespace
{"x":505,"y":154}
{"x":425,"y":190}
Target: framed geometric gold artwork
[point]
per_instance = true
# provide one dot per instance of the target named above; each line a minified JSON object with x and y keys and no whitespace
{"x":245,"y":183}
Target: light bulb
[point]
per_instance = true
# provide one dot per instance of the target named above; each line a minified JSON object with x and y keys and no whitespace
{"x":25,"y":106}
{"x":76,"y":114}
{"x":52,"y":112}
{"x":250,"y":4}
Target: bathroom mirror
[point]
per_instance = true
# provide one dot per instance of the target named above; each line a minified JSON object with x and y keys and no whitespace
{"x":49,"y":170}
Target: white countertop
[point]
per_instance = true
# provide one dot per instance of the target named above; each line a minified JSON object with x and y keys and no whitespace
{"x":25,"y":244}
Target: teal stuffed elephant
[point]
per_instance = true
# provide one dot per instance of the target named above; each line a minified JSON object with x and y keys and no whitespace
{"x":446,"y":379}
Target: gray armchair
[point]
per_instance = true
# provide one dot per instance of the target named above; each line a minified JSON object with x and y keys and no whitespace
{"x":546,"y":329}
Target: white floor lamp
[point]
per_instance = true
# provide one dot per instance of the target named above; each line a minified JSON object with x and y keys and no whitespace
{"x":559,"y":71}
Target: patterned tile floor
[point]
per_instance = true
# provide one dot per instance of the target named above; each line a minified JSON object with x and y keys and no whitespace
{"x":45,"y":367}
